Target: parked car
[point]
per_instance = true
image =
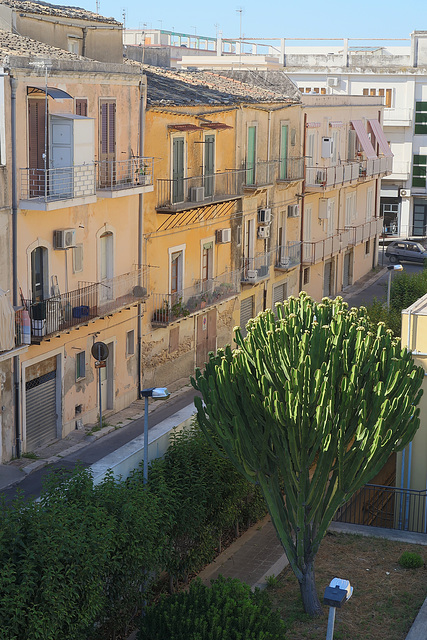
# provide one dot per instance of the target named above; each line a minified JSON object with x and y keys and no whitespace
{"x":405,"y":251}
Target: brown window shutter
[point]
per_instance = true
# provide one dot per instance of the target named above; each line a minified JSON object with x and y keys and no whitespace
{"x":81,"y":107}
{"x":112,"y":127}
{"x":36,"y":125}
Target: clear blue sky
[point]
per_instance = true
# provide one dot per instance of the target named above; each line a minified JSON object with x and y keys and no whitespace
{"x":306,"y":18}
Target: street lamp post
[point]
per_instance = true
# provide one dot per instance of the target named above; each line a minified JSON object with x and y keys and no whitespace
{"x":392,"y":267}
{"x":158,"y":393}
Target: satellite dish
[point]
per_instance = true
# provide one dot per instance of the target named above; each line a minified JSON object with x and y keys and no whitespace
{"x":99,"y":351}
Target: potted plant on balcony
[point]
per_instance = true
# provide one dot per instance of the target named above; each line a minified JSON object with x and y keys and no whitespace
{"x":143,"y":174}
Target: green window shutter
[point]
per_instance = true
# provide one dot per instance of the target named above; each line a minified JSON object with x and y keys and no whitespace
{"x":418,"y":182}
{"x":419,"y":171}
{"x":421,"y":129}
{"x":421,"y":106}
{"x":420,"y":159}
{"x":250,"y":160}
{"x":283,"y":152}
{"x":421,"y":117}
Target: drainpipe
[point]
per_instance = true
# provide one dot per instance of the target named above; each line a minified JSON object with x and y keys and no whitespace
{"x":408,"y":340}
{"x":302,"y":202}
{"x":16,"y":364}
{"x":142,"y":89}
{"x":268,"y":155}
{"x":84,"y":32}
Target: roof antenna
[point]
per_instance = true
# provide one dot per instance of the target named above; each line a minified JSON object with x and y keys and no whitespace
{"x":98,"y":2}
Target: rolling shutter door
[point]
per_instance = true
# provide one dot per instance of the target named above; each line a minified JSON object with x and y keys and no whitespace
{"x":40,"y":410}
{"x":280,"y":293}
{"x":346,"y":275}
{"x":327,"y":279}
{"x":246,"y":312}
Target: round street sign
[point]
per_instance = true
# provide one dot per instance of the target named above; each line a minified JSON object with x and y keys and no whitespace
{"x":99,"y":351}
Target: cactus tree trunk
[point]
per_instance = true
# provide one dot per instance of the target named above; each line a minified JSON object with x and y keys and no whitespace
{"x":308,"y":591}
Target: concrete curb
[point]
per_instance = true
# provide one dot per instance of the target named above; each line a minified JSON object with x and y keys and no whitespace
{"x":418,"y":631}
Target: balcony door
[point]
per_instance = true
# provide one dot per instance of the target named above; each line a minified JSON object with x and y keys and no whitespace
{"x":251,"y":156}
{"x":284,"y":152}
{"x":61,"y":157}
{"x":176,"y":273}
{"x":107,"y":143}
{"x":106,"y":249}
{"x":420,"y":220}
{"x":178,"y":170}
{"x":39,"y":274}
{"x":209,"y":165}
{"x":37,"y":139}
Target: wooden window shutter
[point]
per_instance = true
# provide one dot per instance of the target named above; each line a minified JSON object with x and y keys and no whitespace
{"x":81,"y":107}
{"x":36,"y":124}
{"x":111,"y":127}
{"x":107,"y":129}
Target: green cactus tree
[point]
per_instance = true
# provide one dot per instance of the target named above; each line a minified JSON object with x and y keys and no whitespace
{"x":309,"y":406}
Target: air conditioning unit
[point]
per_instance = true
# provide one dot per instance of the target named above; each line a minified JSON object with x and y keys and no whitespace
{"x":293,"y":210}
{"x":323,"y":208}
{"x":222,"y":236}
{"x":333,"y":81}
{"x":327,"y":147}
{"x":197,"y":194}
{"x":285,"y":261}
{"x":404,"y":193}
{"x":252,"y":275}
{"x":64,"y":238}
{"x":264,"y":216}
{"x":264,"y":231}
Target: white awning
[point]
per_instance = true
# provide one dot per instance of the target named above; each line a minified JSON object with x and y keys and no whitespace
{"x":364,"y":140}
{"x":380,"y":138}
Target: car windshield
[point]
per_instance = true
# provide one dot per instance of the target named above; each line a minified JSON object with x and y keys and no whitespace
{"x":420,"y":247}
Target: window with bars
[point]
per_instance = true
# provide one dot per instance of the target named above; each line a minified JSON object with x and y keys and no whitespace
{"x":383,"y":93}
{"x":419,"y":171}
{"x":420,"y":118}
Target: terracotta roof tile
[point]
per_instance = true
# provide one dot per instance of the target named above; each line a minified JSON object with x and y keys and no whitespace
{"x":176,"y":87}
{"x":44,"y":8}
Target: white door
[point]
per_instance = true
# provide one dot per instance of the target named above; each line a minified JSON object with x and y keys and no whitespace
{"x":107,"y":391}
{"x":106,"y":266}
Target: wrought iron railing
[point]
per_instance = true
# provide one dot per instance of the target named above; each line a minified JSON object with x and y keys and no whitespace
{"x":114,"y":175}
{"x":291,"y":169}
{"x":51,"y":185}
{"x":332,"y":176}
{"x":288,"y":256}
{"x":388,"y":507}
{"x":261,"y":173}
{"x":168,"y":307}
{"x":184,"y":192}
{"x":89,"y":301}
{"x":256,"y":268}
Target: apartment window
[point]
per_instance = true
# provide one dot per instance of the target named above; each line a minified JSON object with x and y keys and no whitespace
{"x":419,"y":171}
{"x":350,"y":208}
{"x":178,"y":169}
{"x":239,"y":235}
{"x":80,"y":365}
{"x":306,"y":275}
{"x":73,"y":45}
{"x":78,"y":258}
{"x":421,"y":118}
{"x":367,"y":247}
{"x":369,"y":203}
{"x":107,"y":141}
{"x":331,"y":216}
{"x":81,"y":106}
{"x":311,"y":150}
{"x":130,"y":343}
{"x":382,"y":93}
{"x":207,"y":261}
{"x":209,"y":164}
{"x":176,"y":269}
{"x":321,"y":90}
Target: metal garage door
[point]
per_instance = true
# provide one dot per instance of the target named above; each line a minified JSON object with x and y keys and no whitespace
{"x":347,"y":269}
{"x":280,"y":293}
{"x":327,"y":279}
{"x":40,"y":410}
{"x":246,"y":312}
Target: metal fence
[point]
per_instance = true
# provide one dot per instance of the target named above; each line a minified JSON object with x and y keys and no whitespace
{"x":288,"y":255}
{"x":388,"y":507}
{"x":90,"y":300}
{"x":64,"y":183}
{"x":115,"y":175}
{"x":199,"y":189}
{"x":291,"y":169}
{"x":167,"y":307}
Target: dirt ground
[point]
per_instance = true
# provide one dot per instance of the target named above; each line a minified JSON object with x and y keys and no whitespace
{"x":386,"y":597}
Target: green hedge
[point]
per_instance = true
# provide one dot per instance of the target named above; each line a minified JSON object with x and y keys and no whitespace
{"x":79,"y":564}
{"x":228,"y":610}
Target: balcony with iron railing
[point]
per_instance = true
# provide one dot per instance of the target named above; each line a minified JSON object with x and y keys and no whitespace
{"x":90,"y":301}
{"x":376,"y":167}
{"x":320,"y":178}
{"x":168,"y":307}
{"x":319,"y":250}
{"x":180,"y":194}
{"x":50,"y":189}
{"x":287,"y":256}
{"x":256,"y":268}
{"x":291,"y":169}
{"x":261,"y":174}
{"x":117,"y":178}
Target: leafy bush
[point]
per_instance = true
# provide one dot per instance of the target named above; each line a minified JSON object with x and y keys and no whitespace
{"x":79,"y":564}
{"x":228,"y":610}
{"x":411,"y":560}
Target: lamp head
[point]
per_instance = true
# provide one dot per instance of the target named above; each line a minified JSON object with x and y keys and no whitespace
{"x":395,"y":267}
